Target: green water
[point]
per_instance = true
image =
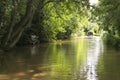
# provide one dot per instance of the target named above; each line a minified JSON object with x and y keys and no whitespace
{"x":75,"y":59}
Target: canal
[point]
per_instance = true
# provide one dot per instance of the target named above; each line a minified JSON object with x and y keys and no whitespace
{"x":76,"y":59}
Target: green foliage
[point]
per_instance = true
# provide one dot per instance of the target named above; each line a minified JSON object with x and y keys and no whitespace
{"x":11,"y":12}
{"x":108,"y":12}
{"x":58,"y":19}
{"x":53,"y":19}
{"x":16,"y":16}
{"x":111,"y":40}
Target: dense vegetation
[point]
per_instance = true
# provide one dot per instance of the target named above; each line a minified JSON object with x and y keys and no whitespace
{"x":31,"y":21}
{"x":36,"y":21}
{"x":108,"y":12}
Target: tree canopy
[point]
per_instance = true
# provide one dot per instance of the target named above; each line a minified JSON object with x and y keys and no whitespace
{"x":36,"y":21}
{"x":108,"y":12}
{"x":46,"y":20}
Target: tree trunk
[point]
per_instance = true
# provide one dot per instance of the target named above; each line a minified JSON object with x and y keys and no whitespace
{"x":11,"y":24}
{"x":14,"y":32}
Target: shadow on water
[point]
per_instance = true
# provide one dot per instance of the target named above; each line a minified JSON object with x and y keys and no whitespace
{"x":75,"y":59}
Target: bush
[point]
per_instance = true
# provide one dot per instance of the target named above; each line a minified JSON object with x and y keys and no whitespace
{"x":111,"y":40}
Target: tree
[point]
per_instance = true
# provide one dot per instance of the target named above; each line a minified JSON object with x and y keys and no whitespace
{"x":108,"y":15}
{"x":58,"y":19}
{"x":43,"y":18}
{"x":14,"y":29}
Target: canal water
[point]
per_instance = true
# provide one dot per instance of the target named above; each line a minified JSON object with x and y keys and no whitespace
{"x":84,"y":58}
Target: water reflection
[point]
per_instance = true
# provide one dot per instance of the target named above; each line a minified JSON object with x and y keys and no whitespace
{"x":75,"y":59}
{"x":109,"y":65}
{"x":94,"y":51}
{"x":87,"y":56}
